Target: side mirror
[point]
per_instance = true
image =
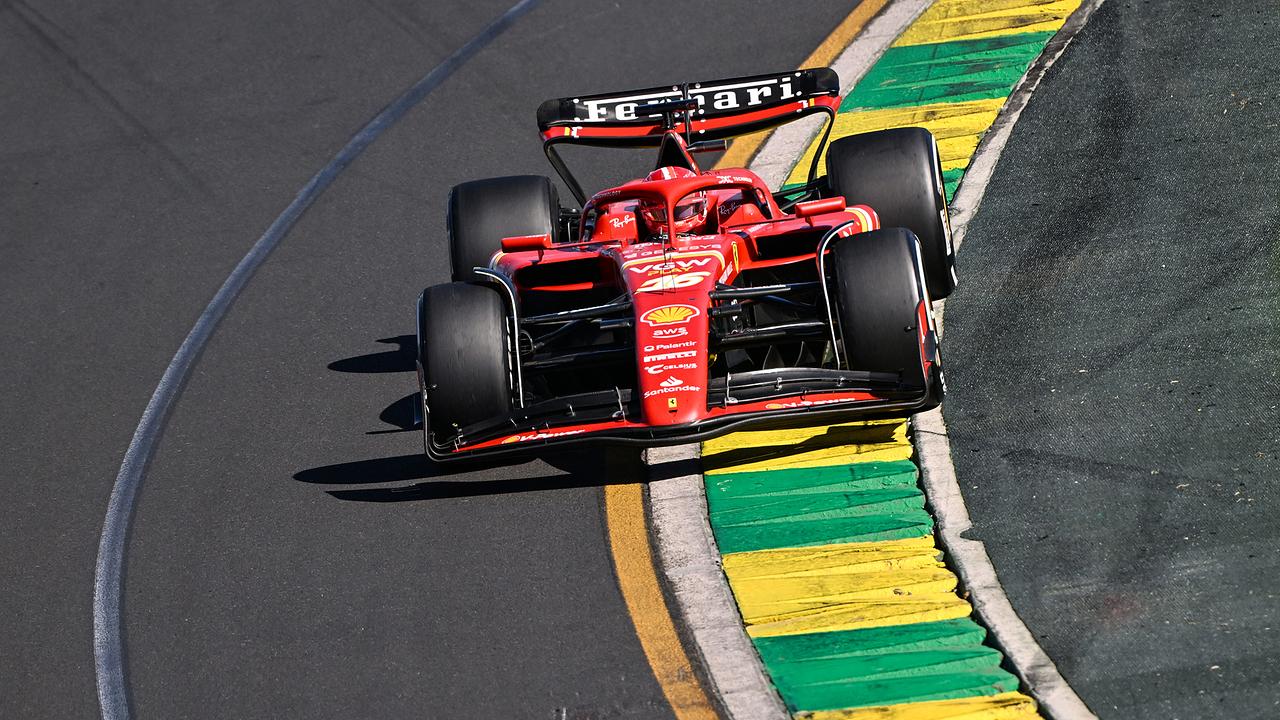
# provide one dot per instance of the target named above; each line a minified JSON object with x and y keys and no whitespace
{"x":521,"y":243}
{"x":702,"y":146}
{"x":818,"y":207}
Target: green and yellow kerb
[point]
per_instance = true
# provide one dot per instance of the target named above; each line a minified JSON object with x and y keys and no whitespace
{"x":824,"y":533}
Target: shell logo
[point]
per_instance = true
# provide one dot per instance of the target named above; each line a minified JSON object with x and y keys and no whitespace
{"x":669,"y":315}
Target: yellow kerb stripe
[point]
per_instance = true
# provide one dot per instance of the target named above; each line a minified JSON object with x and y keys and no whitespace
{"x":753,"y":451}
{"x":842,"y":587}
{"x":742,"y":149}
{"x":1004,"y":706}
{"x":957,"y":126}
{"x":950,"y":20}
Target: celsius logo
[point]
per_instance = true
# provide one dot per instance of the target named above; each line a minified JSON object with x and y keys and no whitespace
{"x":669,"y":315}
{"x":659,"y":369}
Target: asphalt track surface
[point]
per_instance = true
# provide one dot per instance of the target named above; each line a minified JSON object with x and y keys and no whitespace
{"x":1112,"y":362}
{"x":290,"y":554}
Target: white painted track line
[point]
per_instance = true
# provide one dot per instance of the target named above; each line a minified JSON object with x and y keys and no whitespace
{"x":109,"y":569}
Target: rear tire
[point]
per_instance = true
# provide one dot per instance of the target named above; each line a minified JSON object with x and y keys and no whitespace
{"x":482,"y":212}
{"x":897,"y":173}
{"x":462,"y":350}
{"x":877,"y":296}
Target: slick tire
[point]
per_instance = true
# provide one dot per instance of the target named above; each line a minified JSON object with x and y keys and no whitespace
{"x":482,"y":212}
{"x":897,"y":173}
{"x":878,"y":291}
{"x":462,"y":351}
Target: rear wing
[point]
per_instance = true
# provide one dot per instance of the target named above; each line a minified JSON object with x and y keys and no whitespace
{"x":700,"y":112}
{"x":725,"y":108}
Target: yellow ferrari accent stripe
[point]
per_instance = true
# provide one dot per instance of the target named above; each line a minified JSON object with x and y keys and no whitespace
{"x":670,"y":258}
{"x":1004,"y":706}
{"x":743,"y":148}
{"x":843,"y":587}
{"x":974,"y":19}
{"x":864,"y":217}
{"x":638,"y":581}
{"x":957,"y":126}
{"x":752,"y":451}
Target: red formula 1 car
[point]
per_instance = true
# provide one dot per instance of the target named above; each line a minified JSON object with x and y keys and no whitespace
{"x":691,"y":302}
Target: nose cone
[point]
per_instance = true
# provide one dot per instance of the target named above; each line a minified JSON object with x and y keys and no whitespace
{"x":672,"y":358}
{"x":670,"y":288}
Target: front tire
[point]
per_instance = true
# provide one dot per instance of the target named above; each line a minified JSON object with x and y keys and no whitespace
{"x":482,"y":212}
{"x":462,"y":356}
{"x":877,"y":295}
{"x":897,"y":173}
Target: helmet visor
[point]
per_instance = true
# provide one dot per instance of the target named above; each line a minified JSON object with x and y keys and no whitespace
{"x":684,"y":210}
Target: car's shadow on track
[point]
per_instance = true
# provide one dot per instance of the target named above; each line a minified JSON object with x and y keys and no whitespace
{"x":580,"y":469}
{"x":463,"y":478}
{"x":834,"y":436}
{"x":400,"y":415}
{"x":402,"y":359}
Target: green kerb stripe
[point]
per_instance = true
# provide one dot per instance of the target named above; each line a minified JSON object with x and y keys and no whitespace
{"x":946,"y":72}
{"x":881,"y":666}
{"x":817,"y":506}
{"x":951,"y":178}
{"x":873,"y":501}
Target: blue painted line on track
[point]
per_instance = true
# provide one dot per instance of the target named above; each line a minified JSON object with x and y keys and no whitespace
{"x":108,"y":648}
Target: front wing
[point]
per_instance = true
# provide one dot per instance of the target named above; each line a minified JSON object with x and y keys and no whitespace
{"x":510,"y":435}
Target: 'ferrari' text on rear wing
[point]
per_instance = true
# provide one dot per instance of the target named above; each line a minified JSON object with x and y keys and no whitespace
{"x":725,"y":108}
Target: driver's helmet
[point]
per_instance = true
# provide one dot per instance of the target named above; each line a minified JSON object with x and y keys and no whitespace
{"x":690,"y":211}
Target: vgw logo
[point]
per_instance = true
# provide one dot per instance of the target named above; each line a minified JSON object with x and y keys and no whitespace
{"x":662,"y":267}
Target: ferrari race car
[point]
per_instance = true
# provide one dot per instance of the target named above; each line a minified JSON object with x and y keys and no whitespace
{"x":691,"y":302}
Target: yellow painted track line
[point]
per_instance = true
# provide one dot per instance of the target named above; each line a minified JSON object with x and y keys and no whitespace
{"x":638,"y":580}
{"x":742,"y":149}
